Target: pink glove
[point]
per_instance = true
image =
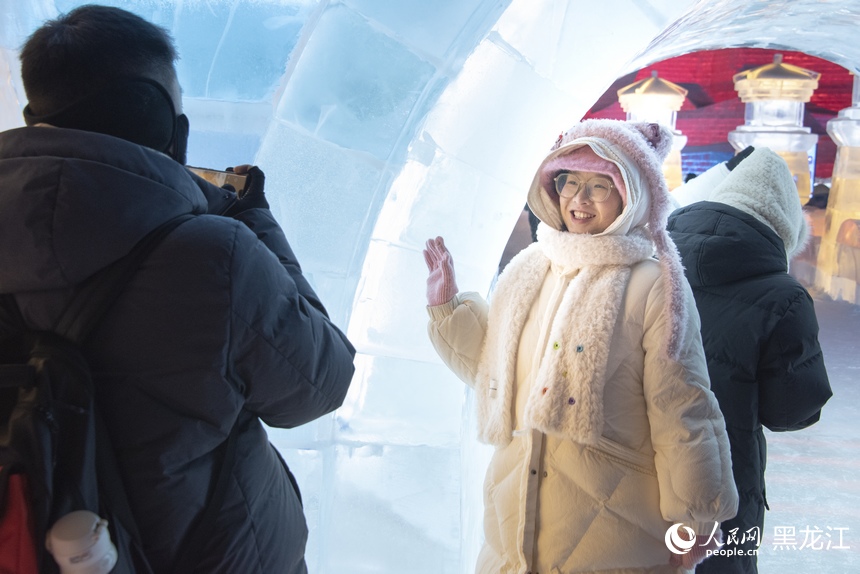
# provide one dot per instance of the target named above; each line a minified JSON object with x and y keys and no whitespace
{"x":697,"y":553}
{"x":441,"y":285}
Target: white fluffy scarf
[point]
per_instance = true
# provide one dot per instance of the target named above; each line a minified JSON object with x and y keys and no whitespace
{"x":567,"y":396}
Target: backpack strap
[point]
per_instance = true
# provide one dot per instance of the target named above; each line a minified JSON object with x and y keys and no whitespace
{"x":88,"y":306}
{"x":96,"y":295}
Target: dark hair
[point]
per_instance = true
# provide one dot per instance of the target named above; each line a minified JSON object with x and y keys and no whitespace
{"x":88,"y":49}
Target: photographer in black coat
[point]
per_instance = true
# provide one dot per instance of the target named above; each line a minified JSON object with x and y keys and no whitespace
{"x":759,"y":328}
{"x":217,"y":334}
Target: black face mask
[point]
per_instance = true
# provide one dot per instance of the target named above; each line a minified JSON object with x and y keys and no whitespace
{"x":138,"y":110}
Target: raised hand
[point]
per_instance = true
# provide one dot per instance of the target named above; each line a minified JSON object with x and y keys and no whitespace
{"x":441,"y":284}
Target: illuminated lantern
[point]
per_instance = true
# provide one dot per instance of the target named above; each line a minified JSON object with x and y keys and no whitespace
{"x":838,"y":269}
{"x":775,"y":95}
{"x":657,"y":100}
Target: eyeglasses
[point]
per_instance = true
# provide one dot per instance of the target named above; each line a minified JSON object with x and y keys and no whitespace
{"x":569,"y":183}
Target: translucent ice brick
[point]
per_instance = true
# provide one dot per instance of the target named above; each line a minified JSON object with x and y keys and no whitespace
{"x":232,"y":117}
{"x":401,"y":402}
{"x":549,"y":34}
{"x":389,"y":316}
{"x":324,"y":197}
{"x":12,"y":98}
{"x":394,"y":509}
{"x":429,"y":27}
{"x":429,"y":200}
{"x":358,"y":94}
{"x":236,"y":50}
{"x":533,"y":108}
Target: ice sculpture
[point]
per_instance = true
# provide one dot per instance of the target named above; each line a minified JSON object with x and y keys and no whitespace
{"x":658,"y":100}
{"x":380,"y":124}
{"x":774,"y":95}
{"x":838,"y":270}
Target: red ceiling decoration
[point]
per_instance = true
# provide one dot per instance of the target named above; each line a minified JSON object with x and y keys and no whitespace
{"x":712,"y":108}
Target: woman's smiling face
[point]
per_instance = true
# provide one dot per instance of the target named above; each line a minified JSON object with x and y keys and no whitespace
{"x":581,"y":214}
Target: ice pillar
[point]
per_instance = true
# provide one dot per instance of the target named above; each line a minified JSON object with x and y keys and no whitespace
{"x":775,"y":95}
{"x":657,"y":100}
{"x":838,"y":270}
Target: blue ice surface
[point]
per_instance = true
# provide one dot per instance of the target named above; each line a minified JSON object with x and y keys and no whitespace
{"x":357,"y":94}
{"x":228,"y":50}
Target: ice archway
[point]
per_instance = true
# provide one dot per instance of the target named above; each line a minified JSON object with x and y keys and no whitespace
{"x":380,"y":125}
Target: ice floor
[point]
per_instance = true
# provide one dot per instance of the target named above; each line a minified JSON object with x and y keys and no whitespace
{"x":813,"y":476}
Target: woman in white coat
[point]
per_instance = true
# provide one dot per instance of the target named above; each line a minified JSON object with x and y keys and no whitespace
{"x":591,"y":382}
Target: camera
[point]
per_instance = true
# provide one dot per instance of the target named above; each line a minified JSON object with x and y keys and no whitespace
{"x":222,"y":178}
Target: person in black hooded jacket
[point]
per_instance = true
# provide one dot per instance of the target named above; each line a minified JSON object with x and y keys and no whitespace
{"x":759,"y":328}
{"x":218,"y":331}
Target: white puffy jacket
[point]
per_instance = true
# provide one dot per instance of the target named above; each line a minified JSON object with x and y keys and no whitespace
{"x":630,"y":448}
{"x":553,"y":505}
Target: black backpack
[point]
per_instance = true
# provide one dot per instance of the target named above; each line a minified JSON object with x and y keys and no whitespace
{"x":52,"y":437}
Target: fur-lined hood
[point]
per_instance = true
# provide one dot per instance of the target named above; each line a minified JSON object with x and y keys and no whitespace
{"x":762,"y":186}
{"x":637,"y":149}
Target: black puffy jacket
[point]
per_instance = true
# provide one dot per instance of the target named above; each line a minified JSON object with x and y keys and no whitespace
{"x":760,"y":336}
{"x":217,"y":330}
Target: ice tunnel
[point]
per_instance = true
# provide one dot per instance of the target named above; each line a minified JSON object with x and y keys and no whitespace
{"x":379,"y":125}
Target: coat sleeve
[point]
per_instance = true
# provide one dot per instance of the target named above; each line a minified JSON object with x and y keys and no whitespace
{"x":291,"y":362}
{"x":457,"y":329}
{"x":793,"y":382}
{"x":267,"y":230}
{"x":265,"y":227}
{"x":688,"y":432}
